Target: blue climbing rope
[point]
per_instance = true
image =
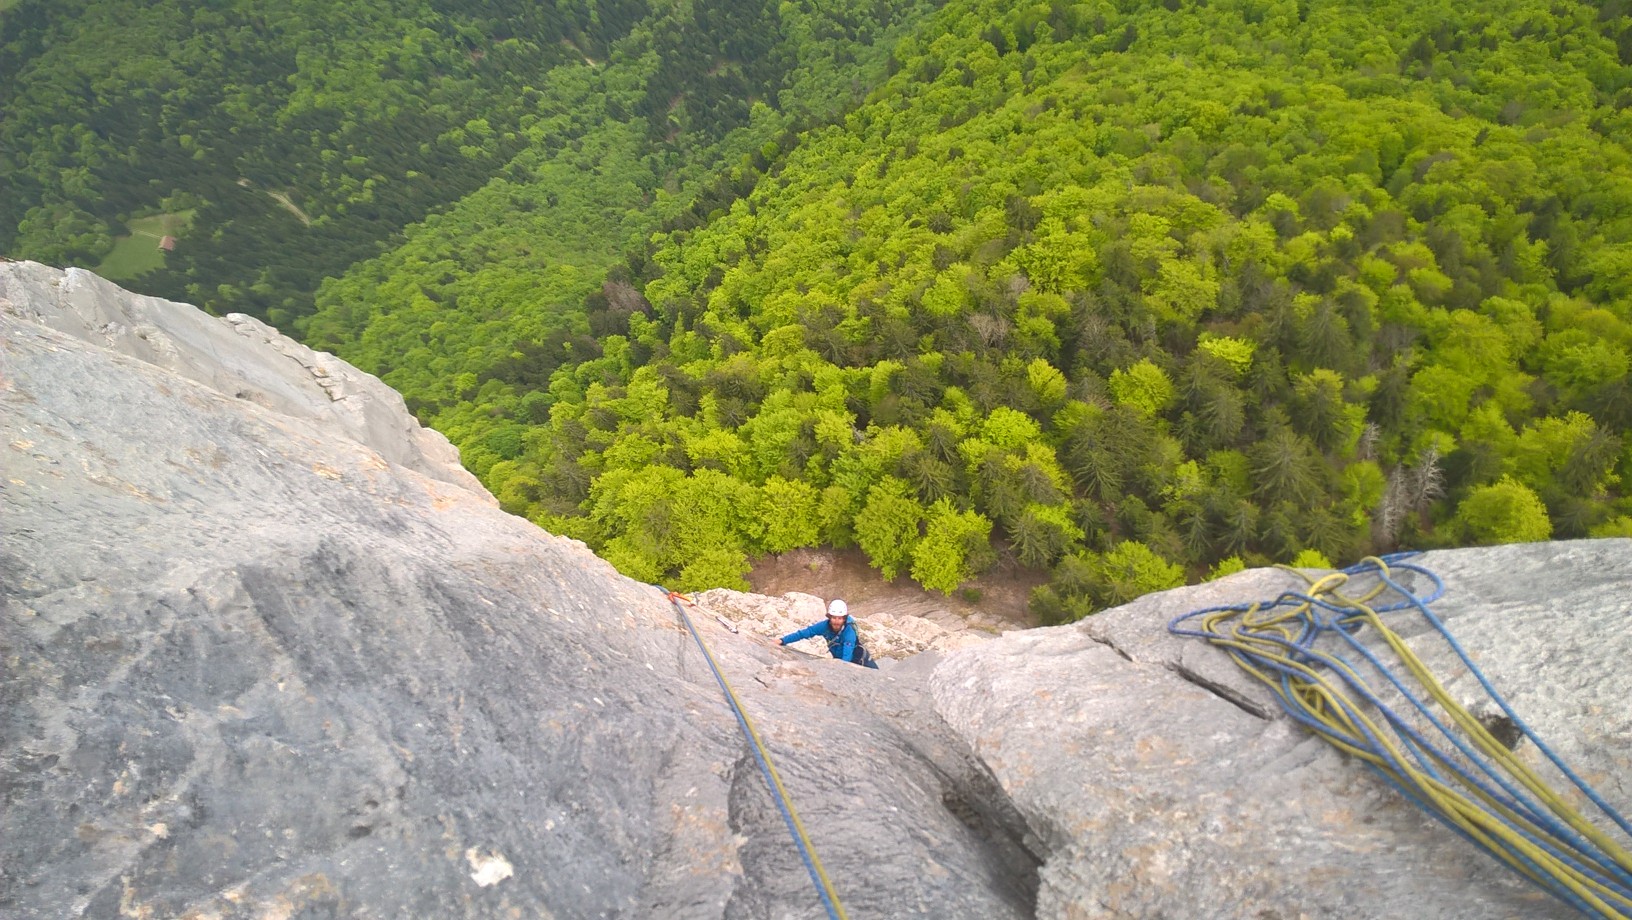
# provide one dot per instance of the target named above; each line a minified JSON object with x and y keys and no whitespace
{"x":1467,"y":779}
{"x":807,"y":852}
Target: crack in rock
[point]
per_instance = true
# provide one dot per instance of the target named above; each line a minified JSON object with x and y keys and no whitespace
{"x":1224,"y":692}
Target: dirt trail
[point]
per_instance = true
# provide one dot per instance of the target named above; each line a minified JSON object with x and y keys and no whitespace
{"x":828,"y":574}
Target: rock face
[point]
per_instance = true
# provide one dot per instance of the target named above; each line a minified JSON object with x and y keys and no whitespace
{"x":237,"y":356}
{"x":265,"y":652}
{"x":1161,"y":781}
{"x":252,"y":667}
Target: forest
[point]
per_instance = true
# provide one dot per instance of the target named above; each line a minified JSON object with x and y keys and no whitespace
{"x":1129,"y":293}
{"x":304,"y":139}
{"x":308,"y":142}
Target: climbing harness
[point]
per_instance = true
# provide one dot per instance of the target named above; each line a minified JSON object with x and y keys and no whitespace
{"x":1470,"y":781}
{"x":807,"y":852}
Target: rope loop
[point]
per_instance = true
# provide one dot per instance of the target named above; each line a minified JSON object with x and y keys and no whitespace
{"x":1305,"y":647}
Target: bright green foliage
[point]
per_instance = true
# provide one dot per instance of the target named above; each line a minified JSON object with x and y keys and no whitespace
{"x":1007,"y":429}
{"x":1144,"y":387}
{"x":1047,"y":383}
{"x":1506,"y":511}
{"x":887,"y":527}
{"x":1237,"y":353}
{"x":1084,"y":583}
{"x":1182,"y":291}
{"x":718,"y":449}
{"x":949,"y":295}
{"x":790,"y":514}
{"x":836,"y":515}
{"x":1580,"y":362}
{"x":1364,"y":487}
{"x":658,"y":521}
{"x":1311,"y":559}
{"x":1131,"y":570}
{"x":1220,"y":281}
{"x":1619,"y":527}
{"x":1229,"y":565}
{"x":720,"y":567}
{"x":954,"y":547}
{"x":1546,"y":445}
{"x":1217,"y":296}
{"x":1058,"y":259}
{"x":1215,"y":292}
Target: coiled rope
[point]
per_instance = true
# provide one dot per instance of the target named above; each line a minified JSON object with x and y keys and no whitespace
{"x":807,"y":852}
{"x":1469,"y":781}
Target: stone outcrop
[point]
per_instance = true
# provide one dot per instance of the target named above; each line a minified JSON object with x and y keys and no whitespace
{"x":1160,"y":780}
{"x":251,"y":667}
{"x":237,"y":356}
{"x":265,"y":651}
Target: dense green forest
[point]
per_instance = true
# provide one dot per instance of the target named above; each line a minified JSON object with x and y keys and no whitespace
{"x":292,"y":143}
{"x":1131,"y":293}
{"x":306,"y":141}
{"x":304,"y":137}
{"x":483,"y":302}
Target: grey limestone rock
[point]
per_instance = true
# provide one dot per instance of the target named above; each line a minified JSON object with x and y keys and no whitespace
{"x":254,"y":663}
{"x":236,"y":355}
{"x":1159,"y":780}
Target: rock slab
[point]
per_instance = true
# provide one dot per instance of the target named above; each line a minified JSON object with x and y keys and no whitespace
{"x":258,"y":659}
{"x":237,"y":356}
{"x":1160,"y":780}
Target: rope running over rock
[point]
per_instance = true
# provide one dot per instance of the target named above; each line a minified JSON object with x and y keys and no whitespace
{"x":807,"y":852}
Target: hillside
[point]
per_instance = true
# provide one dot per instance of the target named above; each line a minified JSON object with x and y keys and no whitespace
{"x":1133,"y":294}
{"x":674,"y":125}
{"x":303,"y":139}
{"x":301,"y":142}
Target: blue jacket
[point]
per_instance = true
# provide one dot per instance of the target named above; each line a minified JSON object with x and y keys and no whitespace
{"x":841,"y":643}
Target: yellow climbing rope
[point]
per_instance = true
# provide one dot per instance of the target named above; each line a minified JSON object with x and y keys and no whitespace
{"x":807,"y":850}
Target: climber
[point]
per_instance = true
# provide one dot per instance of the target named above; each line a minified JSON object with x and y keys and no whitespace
{"x":839,"y":629}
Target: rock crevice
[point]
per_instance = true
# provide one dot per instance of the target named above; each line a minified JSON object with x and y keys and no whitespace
{"x":1223,"y":691}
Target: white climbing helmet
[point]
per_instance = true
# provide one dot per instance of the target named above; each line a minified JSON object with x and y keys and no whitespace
{"x":838,"y":609}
